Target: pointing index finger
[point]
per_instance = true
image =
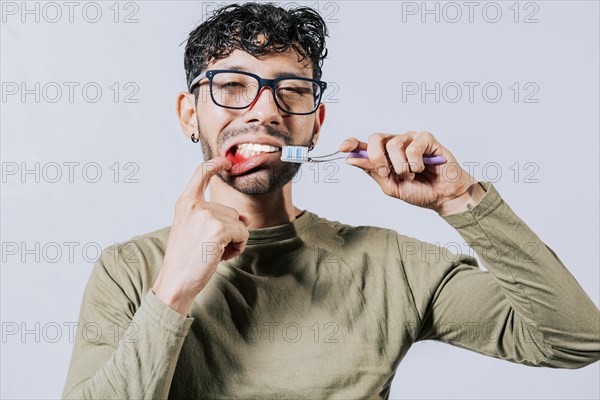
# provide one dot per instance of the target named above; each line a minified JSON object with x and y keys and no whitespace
{"x":199,"y":182}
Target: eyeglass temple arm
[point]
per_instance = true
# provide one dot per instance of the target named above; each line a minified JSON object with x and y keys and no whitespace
{"x":196,"y":80}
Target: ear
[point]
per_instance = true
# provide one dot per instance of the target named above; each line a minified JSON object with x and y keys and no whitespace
{"x":186,"y":112}
{"x":319,"y":118}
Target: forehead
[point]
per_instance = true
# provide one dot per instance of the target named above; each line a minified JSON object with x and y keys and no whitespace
{"x":269,"y":65}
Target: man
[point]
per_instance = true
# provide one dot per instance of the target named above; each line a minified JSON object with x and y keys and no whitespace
{"x":248,"y":296}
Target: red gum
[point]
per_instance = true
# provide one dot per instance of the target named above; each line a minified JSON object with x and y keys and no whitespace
{"x":237,"y":158}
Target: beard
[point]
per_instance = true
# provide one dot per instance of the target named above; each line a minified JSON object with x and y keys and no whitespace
{"x":267,"y":177}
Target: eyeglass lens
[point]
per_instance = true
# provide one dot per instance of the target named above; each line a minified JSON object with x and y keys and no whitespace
{"x":235,"y":90}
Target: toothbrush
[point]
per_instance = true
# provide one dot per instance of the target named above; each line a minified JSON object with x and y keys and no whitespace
{"x":299,"y":154}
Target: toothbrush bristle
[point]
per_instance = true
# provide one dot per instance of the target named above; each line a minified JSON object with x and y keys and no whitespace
{"x":297,"y":154}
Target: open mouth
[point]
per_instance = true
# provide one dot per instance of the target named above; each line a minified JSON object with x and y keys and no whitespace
{"x":246,"y":156}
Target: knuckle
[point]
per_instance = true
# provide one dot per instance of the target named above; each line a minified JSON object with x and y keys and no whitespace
{"x":395,"y":144}
{"x":205,"y":214}
{"x":400,"y":139}
{"x":219,"y":228}
{"x":195,"y":205}
{"x":426,"y":134}
{"x":375,"y":136}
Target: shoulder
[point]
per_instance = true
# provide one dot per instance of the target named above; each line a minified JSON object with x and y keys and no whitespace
{"x":152,"y":241}
{"x":145,"y":246}
{"x":133,"y":264}
{"x":371,"y":239}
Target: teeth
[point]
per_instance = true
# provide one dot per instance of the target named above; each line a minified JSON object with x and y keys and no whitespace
{"x":252,"y":149}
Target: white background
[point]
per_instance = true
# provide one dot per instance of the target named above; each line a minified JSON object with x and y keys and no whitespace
{"x":374,"y":48}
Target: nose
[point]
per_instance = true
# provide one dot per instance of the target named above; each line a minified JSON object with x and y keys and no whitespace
{"x":263,"y":109}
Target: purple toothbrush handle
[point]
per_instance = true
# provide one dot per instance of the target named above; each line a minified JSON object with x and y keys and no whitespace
{"x":427,"y":159}
{"x":433,"y":160}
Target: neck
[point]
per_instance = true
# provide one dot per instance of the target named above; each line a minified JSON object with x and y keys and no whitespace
{"x":261,"y":211}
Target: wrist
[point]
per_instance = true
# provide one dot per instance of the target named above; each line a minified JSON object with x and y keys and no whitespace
{"x":464,"y":202}
{"x":173,"y":297}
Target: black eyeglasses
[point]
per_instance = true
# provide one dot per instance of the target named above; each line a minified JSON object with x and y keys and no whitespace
{"x":239,"y":89}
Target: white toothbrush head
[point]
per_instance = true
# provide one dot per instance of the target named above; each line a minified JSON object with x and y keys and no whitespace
{"x":295,"y":154}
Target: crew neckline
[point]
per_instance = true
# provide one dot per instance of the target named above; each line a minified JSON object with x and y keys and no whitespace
{"x":280,"y":232}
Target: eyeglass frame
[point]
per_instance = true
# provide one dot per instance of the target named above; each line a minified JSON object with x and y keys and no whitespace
{"x":209,"y":74}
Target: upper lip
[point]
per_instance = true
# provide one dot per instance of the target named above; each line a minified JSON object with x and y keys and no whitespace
{"x":256,"y":139}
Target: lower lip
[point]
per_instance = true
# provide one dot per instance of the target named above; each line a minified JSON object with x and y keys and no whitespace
{"x":239,"y":167}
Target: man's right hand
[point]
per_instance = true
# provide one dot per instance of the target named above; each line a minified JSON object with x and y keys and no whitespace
{"x":202,"y":234}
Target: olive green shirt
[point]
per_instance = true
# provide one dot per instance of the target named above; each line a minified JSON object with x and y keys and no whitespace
{"x":319,"y":309}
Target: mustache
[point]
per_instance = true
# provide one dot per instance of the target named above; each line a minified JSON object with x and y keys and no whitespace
{"x":230,"y":134}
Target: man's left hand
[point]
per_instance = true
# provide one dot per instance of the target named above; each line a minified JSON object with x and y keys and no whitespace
{"x":395,"y":162}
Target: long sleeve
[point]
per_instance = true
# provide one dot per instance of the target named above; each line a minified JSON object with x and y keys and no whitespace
{"x":527,"y":308}
{"x":128,"y":342}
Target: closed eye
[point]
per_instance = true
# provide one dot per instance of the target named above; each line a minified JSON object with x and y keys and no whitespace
{"x":296,"y":90}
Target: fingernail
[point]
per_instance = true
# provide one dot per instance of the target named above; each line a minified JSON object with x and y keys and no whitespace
{"x":382,"y":171}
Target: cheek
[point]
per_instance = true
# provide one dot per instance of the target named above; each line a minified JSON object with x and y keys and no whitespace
{"x":213,"y":119}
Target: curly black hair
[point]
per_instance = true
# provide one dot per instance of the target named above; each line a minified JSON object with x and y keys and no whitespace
{"x":256,"y":28}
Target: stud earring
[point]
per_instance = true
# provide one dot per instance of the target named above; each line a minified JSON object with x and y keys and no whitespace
{"x":194,"y":138}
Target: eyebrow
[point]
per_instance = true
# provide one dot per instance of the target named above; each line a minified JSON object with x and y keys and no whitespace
{"x":277,"y":75}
